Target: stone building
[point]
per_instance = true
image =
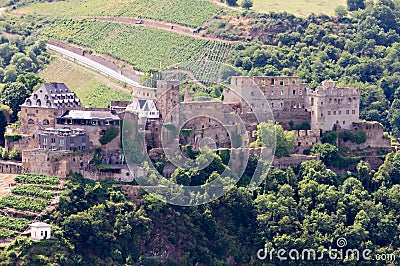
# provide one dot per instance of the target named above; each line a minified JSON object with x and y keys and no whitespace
{"x":332,"y":107}
{"x":63,"y":139}
{"x":41,"y":109}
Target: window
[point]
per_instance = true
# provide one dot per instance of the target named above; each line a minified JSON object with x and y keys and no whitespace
{"x":272,"y":82}
{"x":281,"y":82}
{"x":281,"y":92}
{"x":353,"y":112}
{"x":312,"y":101}
{"x":44,"y":140}
{"x":46,"y":122}
{"x":344,"y":122}
{"x":294,"y":92}
{"x":31,"y":122}
{"x":329,"y":112}
{"x":340,"y":112}
{"x":334,"y":112}
{"x":61,"y":141}
{"x":347,"y":112}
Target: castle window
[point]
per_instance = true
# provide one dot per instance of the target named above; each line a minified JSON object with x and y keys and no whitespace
{"x":347,"y":112}
{"x":349,"y":100}
{"x":340,"y":112}
{"x":353,"y":112}
{"x":294,"y":92}
{"x":46,"y":122}
{"x":31,"y":122}
{"x":329,"y":112}
{"x":334,"y":112}
{"x":281,"y":92}
{"x":344,"y":122}
{"x":281,"y":82}
{"x":312,"y":101}
{"x":330,"y":100}
{"x":294,"y":81}
{"x":272,"y":82}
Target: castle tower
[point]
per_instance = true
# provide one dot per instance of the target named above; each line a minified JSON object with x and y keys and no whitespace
{"x":333,"y":107}
{"x":167,"y":96}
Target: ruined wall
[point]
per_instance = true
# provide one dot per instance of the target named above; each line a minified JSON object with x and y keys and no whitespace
{"x":54,"y":162}
{"x":10,"y":167}
{"x":293,"y":161}
{"x":305,"y":139}
{"x":374,"y":132}
{"x":284,"y":98}
{"x":27,"y":142}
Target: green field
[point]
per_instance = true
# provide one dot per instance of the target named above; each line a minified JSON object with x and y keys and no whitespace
{"x":298,"y":7}
{"x":93,"y":89}
{"x":186,"y":12}
{"x":146,"y":49}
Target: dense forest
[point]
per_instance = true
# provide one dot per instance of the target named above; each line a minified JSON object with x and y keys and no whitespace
{"x":306,"y":208}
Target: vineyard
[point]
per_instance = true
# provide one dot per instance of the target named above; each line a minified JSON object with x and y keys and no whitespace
{"x":191,"y":13}
{"x":146,"y":49}
{"x":32,"y":194}
{"x":91,"y":88}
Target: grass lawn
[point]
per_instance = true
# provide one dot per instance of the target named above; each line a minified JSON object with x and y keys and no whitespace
{"x":93,"y":89}
{"x":298,"y":7}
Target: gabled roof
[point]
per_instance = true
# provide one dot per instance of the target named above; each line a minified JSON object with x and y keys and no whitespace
{"x":40,"y":225}
{"x":52,"y":95}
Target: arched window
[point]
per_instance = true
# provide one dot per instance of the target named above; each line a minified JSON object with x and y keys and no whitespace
{"x":31,"y":122}
{"x":46,"y":122}
{"x":39,"y":103}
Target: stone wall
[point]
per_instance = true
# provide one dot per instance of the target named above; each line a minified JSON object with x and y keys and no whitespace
{"x":374,"y":132}
{"x":305,"y":139}
{"x":27,"y":142}
{"x":10,"y":167}
{"x":333,"y":107}
{"x":57,"y":163}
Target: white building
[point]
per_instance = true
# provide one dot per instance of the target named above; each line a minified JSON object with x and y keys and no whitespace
{"x":144,"y":109}
{"x":40,"y":231}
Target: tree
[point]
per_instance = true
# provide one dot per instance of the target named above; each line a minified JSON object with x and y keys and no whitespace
{"x":270,"y":135}
{"x":341,"y":12}
{"x":328,"y":152}
{"x":231,"y":2}
{"x":247,"y":4}
{"x":14,"y":154}
{"x":13,"y":95}
{"x":353,"y":5}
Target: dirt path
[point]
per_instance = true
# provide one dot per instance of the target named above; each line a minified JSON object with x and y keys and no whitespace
{"x":162,"y":25}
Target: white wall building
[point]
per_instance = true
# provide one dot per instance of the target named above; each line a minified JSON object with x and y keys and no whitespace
{"x":144,"y":109}
{"x":40,"y":231}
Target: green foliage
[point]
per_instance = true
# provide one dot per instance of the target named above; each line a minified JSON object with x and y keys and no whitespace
{"x":37,"y":179}
{"x":14,"y":155}
{"x":143,"y":52}
{"x":358,"y":137}
{"x":191,"y":13}
{"x":4,"y":154}
{"x":329,"y":153}
{"x":273,"y":136}
{"x":340,"y":12}
{"x":23,"y":203}
{"x":110,"y":134}
{"x":12,"y":137}
{"x":247,"y":4}
{"x":354,"y":5}
{"x":18,"y":224}
{"x":330,"y":137}
{"x":35,"y":191}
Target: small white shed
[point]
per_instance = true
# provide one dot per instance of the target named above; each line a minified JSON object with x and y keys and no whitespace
{"x":40,"y":231}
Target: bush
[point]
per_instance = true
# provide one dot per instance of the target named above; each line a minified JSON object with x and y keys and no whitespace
{"x":330,"y":137}
{"x":355,"y":137}
{"x":110,"y":134}
{"x":12,"y":137}
{"x":14,"y":154}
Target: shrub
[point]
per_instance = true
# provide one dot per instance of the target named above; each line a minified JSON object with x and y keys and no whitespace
{"x":12,"y":137}
{"x":110,"y":134}
{"x":356,"y":137}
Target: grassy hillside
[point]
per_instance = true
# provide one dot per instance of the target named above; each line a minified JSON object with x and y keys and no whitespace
{"x":144,"y":48}
{"x":92,"y":88}
{"x":298,"y":7}
{"x":187,"y":12}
